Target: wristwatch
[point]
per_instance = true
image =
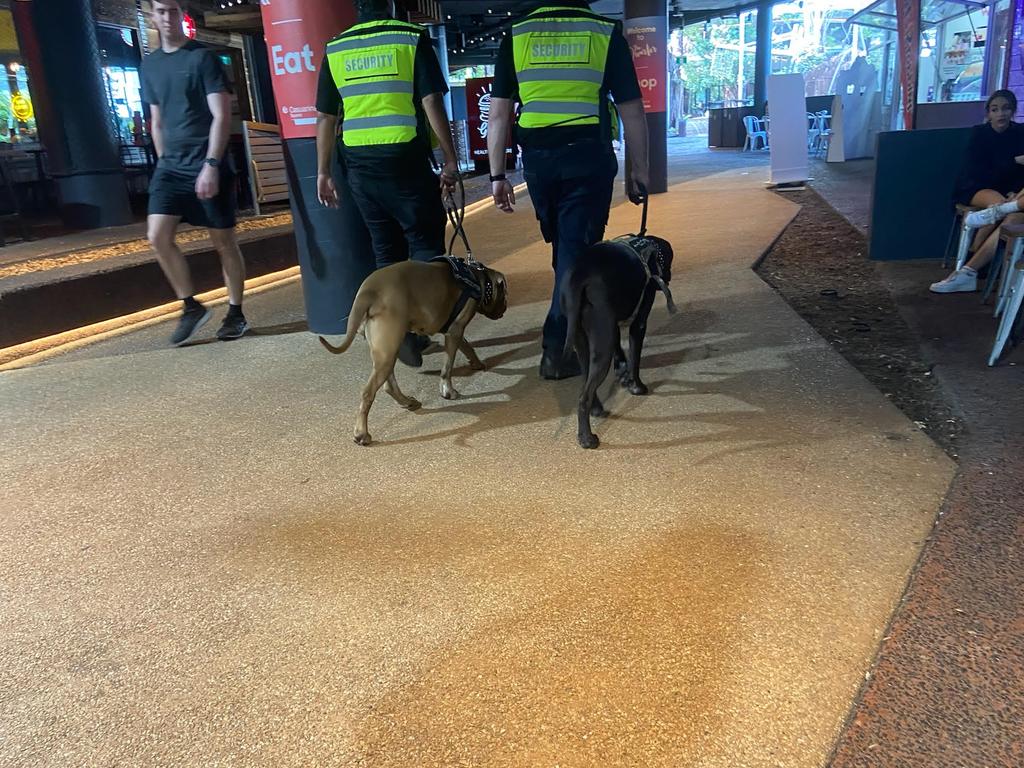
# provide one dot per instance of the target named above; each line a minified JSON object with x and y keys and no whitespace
{"x":213,"y":162}
{"x":499,"y":177}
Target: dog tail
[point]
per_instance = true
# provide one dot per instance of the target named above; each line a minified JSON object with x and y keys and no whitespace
{"x":360,"y":309}
{"x":572,"y":301}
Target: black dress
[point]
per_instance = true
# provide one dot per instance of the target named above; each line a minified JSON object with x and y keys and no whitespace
{"x":990,"y":163}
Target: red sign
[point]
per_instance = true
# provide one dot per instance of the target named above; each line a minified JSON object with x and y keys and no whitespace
{"x":297,"y":32}
{"x":188,"y":26}
{"x":478,"y":112}
{"x":648,"y":40}
{"x":908,"y":25}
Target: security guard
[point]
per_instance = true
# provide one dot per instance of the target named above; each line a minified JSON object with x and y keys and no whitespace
{"x":382,"y":78}
{"x":562,"y":62}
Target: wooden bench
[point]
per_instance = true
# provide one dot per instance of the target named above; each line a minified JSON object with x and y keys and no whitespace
{"x":268,"y":177}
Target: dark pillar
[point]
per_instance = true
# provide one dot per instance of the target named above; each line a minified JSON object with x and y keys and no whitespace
{"x":333,"y":244}
{"x":334,"y":249}
{"x":646,"y":28}
{"x":762,"y":56}
{"x":58,"y":42}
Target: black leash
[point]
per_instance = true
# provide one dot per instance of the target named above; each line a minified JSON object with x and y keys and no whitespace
{"x":641,"y":197}
{"x":456,"y":212}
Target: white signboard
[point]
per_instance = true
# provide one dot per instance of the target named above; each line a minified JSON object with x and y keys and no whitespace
{"x":787,"y":111}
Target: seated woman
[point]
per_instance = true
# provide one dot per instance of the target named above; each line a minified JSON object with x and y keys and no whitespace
{"x":992,"y":177}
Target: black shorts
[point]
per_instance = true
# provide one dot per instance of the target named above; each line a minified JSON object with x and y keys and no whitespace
{"x":172,"y":193}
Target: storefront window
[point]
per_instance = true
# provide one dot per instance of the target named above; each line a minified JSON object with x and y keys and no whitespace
{"x":953,"y":56}
{"x":17,"y":112}
{"x":963,"y":45}
{"x":814,"y":37}
{"x":714,"y":61}
{"x":121,"y":58}
{"x":998,"y":41}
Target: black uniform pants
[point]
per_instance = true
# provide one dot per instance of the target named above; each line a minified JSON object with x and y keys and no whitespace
{"x":571,"y":189}
{"x":402,"y":211}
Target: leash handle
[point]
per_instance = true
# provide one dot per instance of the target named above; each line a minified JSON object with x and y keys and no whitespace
{"x":639,"y":196}
{"x":644,"y":197}
{"x":456,"y":214}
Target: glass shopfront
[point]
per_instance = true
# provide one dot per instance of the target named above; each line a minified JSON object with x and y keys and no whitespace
{"x":121,"y":58}
{"x":17,"y":112}
{"x":962,"y":47}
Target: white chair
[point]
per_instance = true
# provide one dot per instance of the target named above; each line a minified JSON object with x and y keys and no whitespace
{"x":1008,"y":255}
{"x":1014,"y":282}
{"x":966,"y":234}
{"x":824,"y":137}
{"x":812,"y":131}
{"x":755,"y":131}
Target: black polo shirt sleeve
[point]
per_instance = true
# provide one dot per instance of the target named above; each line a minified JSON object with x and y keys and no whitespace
{"x":328,"y":100}
{"x":427,"y":72}
{"x":619,"y":73}
{"x":506,"y":84}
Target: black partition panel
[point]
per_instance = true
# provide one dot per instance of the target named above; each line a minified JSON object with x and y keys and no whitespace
{"x":911,"y":198}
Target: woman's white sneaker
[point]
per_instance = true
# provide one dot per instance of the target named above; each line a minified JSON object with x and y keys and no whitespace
{"x":964,"y":280}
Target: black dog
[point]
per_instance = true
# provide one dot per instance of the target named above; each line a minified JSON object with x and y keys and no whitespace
{"x":613,"y":284}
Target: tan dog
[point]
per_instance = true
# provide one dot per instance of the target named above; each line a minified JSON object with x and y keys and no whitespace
{"x":419,"y":297}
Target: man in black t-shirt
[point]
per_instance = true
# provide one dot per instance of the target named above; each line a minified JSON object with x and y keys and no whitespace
{"x":568,"y":162}
{"x":389,"y":167}
{"x":188,"y":94}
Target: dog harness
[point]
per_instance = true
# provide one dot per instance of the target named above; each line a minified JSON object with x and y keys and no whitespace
{"x":644,"y":248}
{"x":475,"y":285}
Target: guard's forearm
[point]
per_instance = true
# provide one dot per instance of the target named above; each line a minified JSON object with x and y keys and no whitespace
{"x":634,"y":128}
{"x":437,"y":115}
{"x":497,"y":134}
{"x":326,"y":133}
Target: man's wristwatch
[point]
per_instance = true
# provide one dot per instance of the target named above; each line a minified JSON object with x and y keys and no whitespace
{"x":499,"y":177}
{"x":213,"y":162}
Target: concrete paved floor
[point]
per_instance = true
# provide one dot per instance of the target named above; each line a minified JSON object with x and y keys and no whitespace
{"x":198,"y":566}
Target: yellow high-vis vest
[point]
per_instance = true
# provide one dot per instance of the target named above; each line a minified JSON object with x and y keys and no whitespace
{"x":560,"y":55}
{"x":372,"y":66}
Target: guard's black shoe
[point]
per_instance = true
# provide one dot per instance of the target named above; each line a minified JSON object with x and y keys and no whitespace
{"x":554,"y":366}
{"x":411,"y":351}
{"x":191,"y":321}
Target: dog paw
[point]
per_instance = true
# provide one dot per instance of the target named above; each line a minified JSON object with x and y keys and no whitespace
{"x":413,"y":405}
{"x":362,"y":439}
{"x":477,"y":365}
{"x":448,"y":393}
{"x":588,"y":441}
{"x":638,"y":388}
{"x":599,"y":411}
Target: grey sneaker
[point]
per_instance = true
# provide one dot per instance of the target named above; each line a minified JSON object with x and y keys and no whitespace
{"x":191,"y":321}
{"x":960,"y":281}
